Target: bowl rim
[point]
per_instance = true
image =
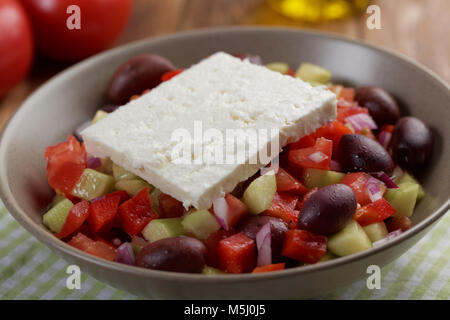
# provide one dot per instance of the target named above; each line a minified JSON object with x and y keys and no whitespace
{"x":49,"y":240}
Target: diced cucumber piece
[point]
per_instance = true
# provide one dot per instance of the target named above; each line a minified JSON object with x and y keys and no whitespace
{"x":155,"y":201}
{"x":163,"y":228}
{"x":133,"y":186}
{"x":211,"y":271}
{"x":316,"y":178}
{"x":56,"y":199}
{"x":99,"y":115}
{"x":92,"y":184}
{"x":280,"y":67}
{"x":376,"y":231}
{"x":201,"y":223}
{"x":407,"y":178}
{"x":260,"y":192}
{"x":403,"y":199}
{"x":313,"y":73}
{"x":55,"y":217}
{"x":327,"y":256}
{"x":120,"y":173}
{"x":350,"y":240}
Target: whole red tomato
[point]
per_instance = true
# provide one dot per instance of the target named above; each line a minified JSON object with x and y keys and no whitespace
{"x":16,"y":44}
{"x":101,"y":21}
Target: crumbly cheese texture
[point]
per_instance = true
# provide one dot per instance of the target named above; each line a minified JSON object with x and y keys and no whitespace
{"x":219,"y":93}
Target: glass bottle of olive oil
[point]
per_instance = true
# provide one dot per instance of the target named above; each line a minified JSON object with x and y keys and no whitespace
{"x":318,"y":10}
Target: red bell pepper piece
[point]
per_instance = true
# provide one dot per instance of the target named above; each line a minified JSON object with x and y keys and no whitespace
{"x":66,"y":162}
{"x":270,"y":267}
{"x":75,"y":219}
{"x":136,"y":213}
{"x":96,"y":248}
{"x":170,"y":74}
{"x":170,"y":207}
{"x":333,"y":131}
{"x":318,"y":156}
{"x":286,"y":182}
{"x":304,"y":246}
{"x":103,"y":212}
{"x":237,"y":253}
{"x":374,"y":212}
{"x":358,"y":182}
{"x":283,"y":206}
{"x":212,"y":243}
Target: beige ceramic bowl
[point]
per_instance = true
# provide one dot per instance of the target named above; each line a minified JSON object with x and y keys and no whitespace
{"x":57,"y":107}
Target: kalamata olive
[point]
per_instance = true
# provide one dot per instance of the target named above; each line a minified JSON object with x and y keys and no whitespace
{"x":179,"y":254}
{"x":360,"y":153}
{"x":328,"y":209}
{"x":253,"y":58}
{"x":252,"y":224}
{"x":382,"y":106}
{"x":411,"y":143}
{"x":136,"y":75}
{"x":110,"y":108}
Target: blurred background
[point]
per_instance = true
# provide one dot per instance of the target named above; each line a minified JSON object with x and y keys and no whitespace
{"x":34,"y":46}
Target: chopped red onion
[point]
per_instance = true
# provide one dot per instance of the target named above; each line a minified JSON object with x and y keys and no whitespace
{"x":373,"y":189}
{"x":220,"y":208}
{"x":125,"y":254}
{"x":389,"y":236}
{"x":361,"y":121}
{"x":317,"y":157}
{"x":263,"y":244}
{"x":382,"y":176}
{"x":384,"y":138}
{"x":93,"y":162}
{"x":80,"y":128}
{"x":335,"y":166}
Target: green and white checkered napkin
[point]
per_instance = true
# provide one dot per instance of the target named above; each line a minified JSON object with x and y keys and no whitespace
{"x":30,"y":270}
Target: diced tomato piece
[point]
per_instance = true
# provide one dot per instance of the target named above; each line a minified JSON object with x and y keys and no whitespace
{"x":304,"y":246}
{"x":66,"y":162}
{"x":136,"y":213}
{"x":103,"y":213}
{"x":346,"y":109}
{"x":286,"y":182}
{"x":270,"y":267}
{"x":96,"y":248}
{"x":236,"y":210}
{"x":169,"y":75}
{"x":304,"y":142}
{"x":75,"y":219}
{"x":403,"y":223}
{"x":211,"y":244}
{"x":305,"y":197}
{"x":170,"y":207}
{"x":283,"y":206}
{"x":317,"y":157}
{"x":237,"y":253}
{"x":358,"y":182}
{"x":374,"y":212}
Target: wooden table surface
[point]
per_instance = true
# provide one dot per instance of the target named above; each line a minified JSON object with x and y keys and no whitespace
{"x":417,"y":28}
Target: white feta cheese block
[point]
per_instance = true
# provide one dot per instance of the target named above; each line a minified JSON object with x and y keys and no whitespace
{"x":219,"y":94}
